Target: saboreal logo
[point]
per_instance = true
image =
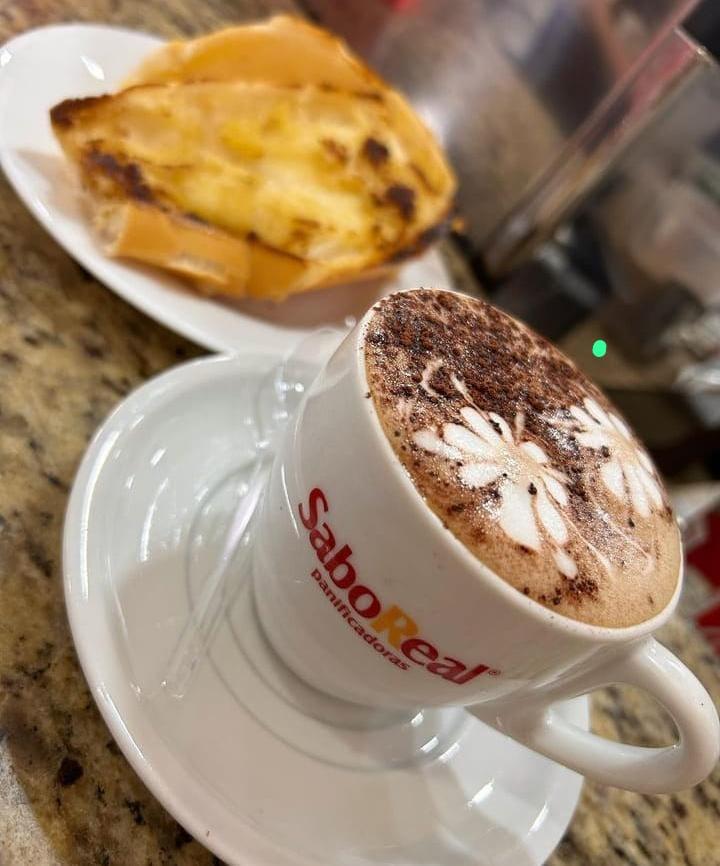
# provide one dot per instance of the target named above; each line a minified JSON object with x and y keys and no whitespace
{"x":363,"y":610}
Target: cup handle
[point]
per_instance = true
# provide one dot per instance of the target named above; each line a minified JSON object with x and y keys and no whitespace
{"x":651,"y":667}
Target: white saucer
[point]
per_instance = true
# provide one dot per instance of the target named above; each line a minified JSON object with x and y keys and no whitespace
{"x":43,"y":67}
{"x":249,"y":775}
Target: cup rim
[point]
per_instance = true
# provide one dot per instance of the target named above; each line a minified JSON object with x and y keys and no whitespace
{"x":526,"y":605}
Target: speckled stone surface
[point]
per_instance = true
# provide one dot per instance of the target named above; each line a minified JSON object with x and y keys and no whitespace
{"x":69,"y":350}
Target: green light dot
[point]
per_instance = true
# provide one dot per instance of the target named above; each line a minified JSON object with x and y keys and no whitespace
{"x":599,"y":348}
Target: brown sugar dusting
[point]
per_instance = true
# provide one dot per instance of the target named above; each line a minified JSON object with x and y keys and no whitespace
{"x":429,"y":355}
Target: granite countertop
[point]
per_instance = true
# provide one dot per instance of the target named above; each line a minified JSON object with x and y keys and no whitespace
{"x":70,"y":350}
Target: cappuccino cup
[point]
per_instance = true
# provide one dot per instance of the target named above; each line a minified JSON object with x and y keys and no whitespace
{"x":456,"y":516}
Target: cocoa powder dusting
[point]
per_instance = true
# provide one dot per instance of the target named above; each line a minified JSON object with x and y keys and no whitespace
{"x":431,"y":354}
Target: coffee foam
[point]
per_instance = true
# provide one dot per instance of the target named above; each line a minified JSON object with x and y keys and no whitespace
{"x":522,"y":458}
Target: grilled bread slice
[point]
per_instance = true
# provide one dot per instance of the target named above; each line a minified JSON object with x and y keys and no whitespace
{"x":257,"y":188}
{"x":280,"y":50}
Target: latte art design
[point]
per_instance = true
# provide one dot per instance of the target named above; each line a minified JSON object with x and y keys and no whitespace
{"x":530,"y":492}
{"x":628,"y":472}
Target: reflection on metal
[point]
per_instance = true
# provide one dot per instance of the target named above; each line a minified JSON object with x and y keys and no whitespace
{"x":587,"y":158}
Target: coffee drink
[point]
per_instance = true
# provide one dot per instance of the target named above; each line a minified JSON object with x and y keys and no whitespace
{"x":522,"y":458}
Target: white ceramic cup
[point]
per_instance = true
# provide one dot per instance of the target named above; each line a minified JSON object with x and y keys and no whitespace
{"x":367,"y":597}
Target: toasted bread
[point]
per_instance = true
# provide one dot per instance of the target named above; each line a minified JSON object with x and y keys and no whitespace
{"x":213,"y":260}
{"x":329,"y":183}
{"x":281,"y":50}
{"x":261,"y":160}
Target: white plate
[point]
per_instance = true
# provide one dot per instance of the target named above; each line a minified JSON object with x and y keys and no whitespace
{"x":45,"y":66}
{"x":251,"y":777}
